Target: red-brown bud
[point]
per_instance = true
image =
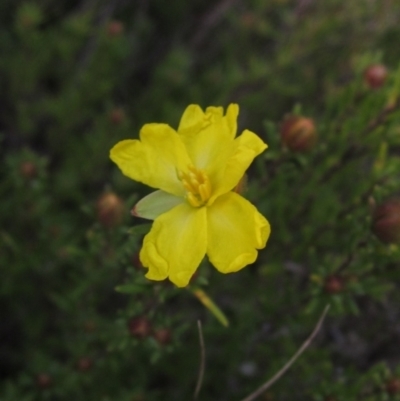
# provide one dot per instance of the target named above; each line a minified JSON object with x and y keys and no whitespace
{"x":298,"y":133}
{"x":139,"y":327}
{"x":110,"y":210}
{"x":375,"y":75}
{"x":90,"y":326}
{"x":84,"y":364}
{"x":29,"y":16}
{"x":28,"y":170}
{"x":44,"y":381}
{"x":117,"y":115}
{"x":163,"y":336}
{"x":248,"y":19}
{"x":115,"y":28}
{"x":334,"y":284}
{"x":386,"y":221}
{"x":392,"y":386}
{"x":138,"y":397}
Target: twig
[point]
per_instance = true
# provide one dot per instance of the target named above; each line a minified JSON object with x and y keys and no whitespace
{"x":211,"y":20}
{"x":92,"y":43}
{"x":354,"y":151}
{"x":291,"y":361}
{"x":202,"y":362}
{"x":381,"y":118}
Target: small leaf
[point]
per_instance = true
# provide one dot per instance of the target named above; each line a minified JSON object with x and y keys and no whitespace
{"x":211,"y":306}
{"x":140,"y":229}
{"x":130,"y":288}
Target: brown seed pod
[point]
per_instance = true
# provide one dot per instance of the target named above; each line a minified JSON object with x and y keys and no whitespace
{"x":110,"y":210}
{"x":386,"y":221}
{"x":84,"y":364}
{"x":298,"y":133}
{"x":115,"y":28}
{"x":139,"y":327}
{"x":375,"y":75}
{"x":163,"y":336}
{"x":90,"y":326}
{"x":392,"y":386}
{"x":28,"y":170}
{"x":43,"y":381}
{"x":117,"y":115}
{"x":334,"y":284}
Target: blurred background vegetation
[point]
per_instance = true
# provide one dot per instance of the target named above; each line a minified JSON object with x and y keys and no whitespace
{"x":319,"y":81}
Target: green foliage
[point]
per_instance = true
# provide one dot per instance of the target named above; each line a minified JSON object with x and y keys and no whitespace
{"x":79,"y":319}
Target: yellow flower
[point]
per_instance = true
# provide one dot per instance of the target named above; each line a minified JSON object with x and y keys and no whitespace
{"x":195,"y":211}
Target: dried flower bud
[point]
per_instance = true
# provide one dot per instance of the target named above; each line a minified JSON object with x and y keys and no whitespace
{"x":29,"y":16}
{"x":84,"y":364}
{"x":110,"y":210}
{"x":28,"y":170}
{"x":248,"y":19}
{"x":139,"y":327}
{"x":44,"y":381}
{"x":392,"y":386}
{"x":298,"y":133}
{"x":163,"y":336}
{"x":386,"y":221}
{"x":375,"y":75}
{"x":117,"y":115}
{"x":334,"y":284}
{"x":138,"y":397}
{"x":115,"y":28}
{"x":90,"y":326}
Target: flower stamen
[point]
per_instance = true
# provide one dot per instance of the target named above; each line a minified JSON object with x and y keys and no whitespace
{"x":197,"y":186}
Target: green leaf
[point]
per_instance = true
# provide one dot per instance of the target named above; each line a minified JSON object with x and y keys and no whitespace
{"x":130,"y":289}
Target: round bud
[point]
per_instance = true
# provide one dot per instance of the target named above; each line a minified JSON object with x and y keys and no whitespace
{"x":28,"y":170}
{"x":386,"y":221}
{"x":334,"y":284}
{"x":115,"y":28}
{"x":44,"y":381}
{"x":298,"y":133}
{"x":139,"y":327}
{"x":84,"y":364}
{"x":138,"y":397}
{"x":375,"y":75}
{"x":392,"y":386}
{"x":29,"y":16}
{"x":163,"y":336}
{"x":248,"y":20}
{"x":110,"y":210}
{"x":117,"y":115}
{"x":90,"y":326}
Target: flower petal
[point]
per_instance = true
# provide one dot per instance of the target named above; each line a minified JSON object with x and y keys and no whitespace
{"x":155,"y":204}
{"x":176,"y":244}
{"x":209,"y":137}
{"x":235,"y":231}
{"x":232,"y":113}
{"x":155,"y":159}
{"x":192,"y":118}
{"x":246,"y":147}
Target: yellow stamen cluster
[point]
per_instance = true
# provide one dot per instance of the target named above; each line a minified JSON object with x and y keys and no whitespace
{"x":197,"y":185}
